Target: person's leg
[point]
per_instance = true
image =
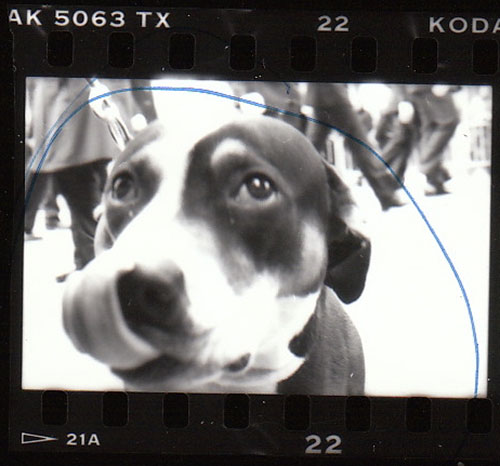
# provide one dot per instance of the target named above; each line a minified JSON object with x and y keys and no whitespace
{"x":36,"y":189}
{"x":398,"y":148}
{"x":435,"y":138}
{"x":384,"y":129}
{"x":50,"y":205}
{"x":378,"y":176}
{"x":318,"y":135}
{"x":82,"y":188}
{"x":343,"y":117}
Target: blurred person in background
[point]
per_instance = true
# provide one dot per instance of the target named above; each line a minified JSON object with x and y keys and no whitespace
{"x":331,"y":105}
{"x":77,"y":158}
{"x":438,"y":117}
{"x":421,"y":117}
{"x":397,"y":130}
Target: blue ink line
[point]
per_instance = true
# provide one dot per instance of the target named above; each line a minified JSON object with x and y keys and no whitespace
{"x":312,"y":120}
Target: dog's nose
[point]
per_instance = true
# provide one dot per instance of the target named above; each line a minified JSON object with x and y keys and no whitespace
{"x":153,"y":299}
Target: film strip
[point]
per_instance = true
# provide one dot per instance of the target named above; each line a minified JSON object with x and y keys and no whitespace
{"x":254,"y":232}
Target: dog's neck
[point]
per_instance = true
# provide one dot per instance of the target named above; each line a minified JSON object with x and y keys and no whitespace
{"x":276,"y":361}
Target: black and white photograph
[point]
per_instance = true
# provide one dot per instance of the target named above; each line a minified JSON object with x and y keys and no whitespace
{"x":211,"y":236}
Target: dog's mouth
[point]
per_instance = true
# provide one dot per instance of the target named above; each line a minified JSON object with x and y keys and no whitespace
{"x":155,"y":308}
{"x":159,"y":369}
{"x":169,"y":372}
{"x":239,"y":364}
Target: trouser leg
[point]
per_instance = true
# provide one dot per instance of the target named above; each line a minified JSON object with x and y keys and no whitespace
{"x":36,"y":188}
{"x":397,"y":148}
{"x":344,"y":118}
{"x":50,"y":204}
{"x":318,"y":135}
{"x":82,"y":187}
{"x":434,"y":140}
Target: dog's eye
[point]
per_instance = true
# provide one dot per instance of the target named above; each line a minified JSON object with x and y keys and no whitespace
{"x":256,"y":187}
{"x":123,"y":187}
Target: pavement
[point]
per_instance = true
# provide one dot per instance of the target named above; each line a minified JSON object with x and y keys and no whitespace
{"x":413,"y":316}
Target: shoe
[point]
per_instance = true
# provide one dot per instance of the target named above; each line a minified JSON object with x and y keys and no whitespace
{"x":435,"y":189}
{"x":397,"y":199}
{"x":29,"y":236}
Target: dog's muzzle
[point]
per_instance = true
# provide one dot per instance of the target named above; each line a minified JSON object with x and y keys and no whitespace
{"x":135,"y":318}
{"x":154,"y":302}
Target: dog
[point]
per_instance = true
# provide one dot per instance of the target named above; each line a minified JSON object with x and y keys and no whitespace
{"x":219,"y":264}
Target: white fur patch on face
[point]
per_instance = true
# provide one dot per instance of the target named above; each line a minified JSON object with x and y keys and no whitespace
{"x":239,"y":312}
{"x":255,"y":319}
{"x":314,"y":255}
{"x":314,"y":249}
{"x":228,"y":148}
{"x":170,"y":156}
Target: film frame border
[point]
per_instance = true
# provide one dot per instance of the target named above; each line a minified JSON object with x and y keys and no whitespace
{"x":495,"y":203}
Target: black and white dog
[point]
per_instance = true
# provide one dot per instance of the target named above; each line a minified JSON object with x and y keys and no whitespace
{"x":216,"y":267}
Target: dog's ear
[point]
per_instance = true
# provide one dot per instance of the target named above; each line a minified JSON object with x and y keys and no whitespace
{"x":348,"y":249}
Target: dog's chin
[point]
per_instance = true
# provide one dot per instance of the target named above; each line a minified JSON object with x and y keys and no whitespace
{"x":164,"y":373}
{"x":167,"y":373}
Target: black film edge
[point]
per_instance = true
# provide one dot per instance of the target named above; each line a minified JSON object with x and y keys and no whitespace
{"x":252,"y":232}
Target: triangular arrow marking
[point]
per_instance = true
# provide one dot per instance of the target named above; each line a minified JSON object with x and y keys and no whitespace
{"x":27,"y":438}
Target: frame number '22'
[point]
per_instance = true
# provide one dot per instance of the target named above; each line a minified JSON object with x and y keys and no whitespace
{"x":341,"y":24}
{"x":314,"y":446}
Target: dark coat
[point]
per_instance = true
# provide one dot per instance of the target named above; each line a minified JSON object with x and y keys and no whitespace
{"x":84,"y":138}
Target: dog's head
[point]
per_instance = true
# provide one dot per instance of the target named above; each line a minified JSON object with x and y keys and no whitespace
{"x":211,"y":257}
